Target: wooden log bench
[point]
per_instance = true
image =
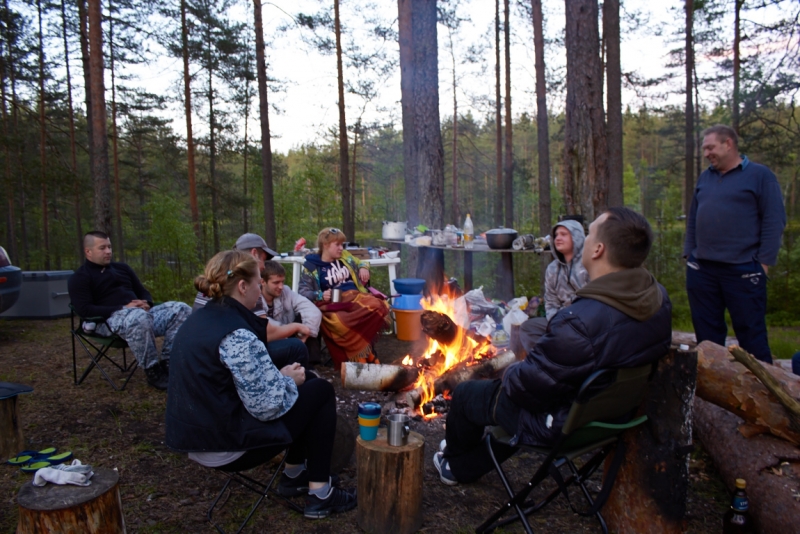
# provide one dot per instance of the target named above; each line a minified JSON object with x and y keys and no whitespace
{"x":11,"y":439}
{"x":94,"y":509}
{"x":390,"y":484}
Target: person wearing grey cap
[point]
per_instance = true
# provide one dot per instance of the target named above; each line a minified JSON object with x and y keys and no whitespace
{"x":286,"y":341}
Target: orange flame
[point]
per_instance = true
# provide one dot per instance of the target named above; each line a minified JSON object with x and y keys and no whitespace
{"x":462,"y":349}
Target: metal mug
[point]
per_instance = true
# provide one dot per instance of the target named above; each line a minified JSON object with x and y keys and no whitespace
{"x":397,"y":429}
{"x":336,"y":295}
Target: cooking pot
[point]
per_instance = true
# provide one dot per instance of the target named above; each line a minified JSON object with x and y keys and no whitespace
{"x":394,"y":231}
{"x":500,"y":238}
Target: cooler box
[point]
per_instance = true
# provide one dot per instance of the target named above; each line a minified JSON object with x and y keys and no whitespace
{"x":43,"y":295}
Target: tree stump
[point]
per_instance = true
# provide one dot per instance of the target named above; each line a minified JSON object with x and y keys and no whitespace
{"x":649,"y":494}
{"x":11,"y":439}
{"x":390,"y":484}
{"x":95,"y":509}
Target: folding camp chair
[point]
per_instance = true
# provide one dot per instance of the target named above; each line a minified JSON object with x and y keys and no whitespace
{"x":259,"y":488}
{"x":605,"y":398}
{"x":97,"y":348}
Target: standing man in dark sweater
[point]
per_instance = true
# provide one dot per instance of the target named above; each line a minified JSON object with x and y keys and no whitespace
{"x":111,"y":290}
{"x":733,"y":234}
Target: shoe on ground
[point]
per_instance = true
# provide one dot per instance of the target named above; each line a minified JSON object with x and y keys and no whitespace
{"x":157,"y":377}
{"x":443,"y":466}
{"x":442,"y":445}
{"x":338,"y":500}
{"x":297,"y":486}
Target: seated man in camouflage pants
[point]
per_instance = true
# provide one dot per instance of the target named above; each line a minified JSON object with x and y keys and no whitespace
{"x":102,"y":288}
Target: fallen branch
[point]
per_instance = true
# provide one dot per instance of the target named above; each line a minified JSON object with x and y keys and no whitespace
{"x":747,"y":359}
{"x":733,"y":387}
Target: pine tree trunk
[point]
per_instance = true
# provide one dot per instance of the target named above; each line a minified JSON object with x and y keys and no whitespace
{"x":407,"y":85}
{"x":509,"y":146}
{"x":688,"y":172}
{"x":43,"y":144}
{"x":737,"y":64}
{"x":542,"y":131}
{"x":585,"y":151}
{"x":102,"y":190}
{"x":120,"y":244}
{"x":72,"y":144}
{"x":498,"y":122}
{"x":270,"y":232}
{"x":344,"y":150}
{"x":611,"y":38}
{"x":187,"y":105}
{"x":212,"y":146}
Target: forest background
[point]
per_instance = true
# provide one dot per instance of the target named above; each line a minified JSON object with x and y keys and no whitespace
{"x":188,"y":169}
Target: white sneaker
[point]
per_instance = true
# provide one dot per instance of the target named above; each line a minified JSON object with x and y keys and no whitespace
{"x":442,"y":445}
{"x":443,"y":467}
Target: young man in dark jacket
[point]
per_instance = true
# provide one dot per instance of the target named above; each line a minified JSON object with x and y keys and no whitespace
{"x":621,"y":318}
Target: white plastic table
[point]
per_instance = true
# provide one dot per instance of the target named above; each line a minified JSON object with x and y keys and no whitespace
{"x":298,"y":261}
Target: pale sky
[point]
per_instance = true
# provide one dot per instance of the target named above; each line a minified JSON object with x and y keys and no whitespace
{"x":308,"y":103}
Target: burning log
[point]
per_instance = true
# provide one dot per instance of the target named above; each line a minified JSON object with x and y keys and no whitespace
{"x":440,"y":327}
{"x":486,"y":368}
{"x":729,"y":385}
{"x":378,"y":377}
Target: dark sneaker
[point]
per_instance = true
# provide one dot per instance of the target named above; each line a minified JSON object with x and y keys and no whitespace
{"x":157,"y":377}
{"x":443,"y":466}
{"x":294,"y":487}
{"x":338,"y":500}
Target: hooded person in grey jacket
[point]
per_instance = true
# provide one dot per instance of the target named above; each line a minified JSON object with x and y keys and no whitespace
{"x":564,"y":277}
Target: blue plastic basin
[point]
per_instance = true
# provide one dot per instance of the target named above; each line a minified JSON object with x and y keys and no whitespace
{"x":409,"y":286}
{"x":408,"y":302}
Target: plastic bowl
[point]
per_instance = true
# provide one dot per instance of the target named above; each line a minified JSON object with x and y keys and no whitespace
{"x":409,"y":286}
{"x":408,"y":302}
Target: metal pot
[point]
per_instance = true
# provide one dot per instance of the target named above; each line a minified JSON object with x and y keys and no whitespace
{"x":394,"y":231}
{"x":500,"y":238}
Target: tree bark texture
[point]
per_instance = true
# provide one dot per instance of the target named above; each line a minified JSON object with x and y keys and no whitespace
{"x":407,"y":85}
{"x":542,"y":126}
{"x":498,"y":122}
{"x":508,"y":166}
{"x":378,"y":377}
{"x":120,"y":244}
{"x":62,"y":509}
{"x":611,"y":38}
{"x":270,"y":231}
{"x":187,"y":105}
{"x":83,"y":16}
{"x":99,"y":154}
{"x":771,"y":466}
{"x":390,"y":484}
{"x":348,"y":224}
{"x":585,"y":151}
{"x":43,"y":144}
{"x":650,"y":491}
{"x":737,"y":64}
{"x":72,"y":143}
{"x":730,"y":385}
{"x":11,"y":439}
{"x":688,"y":168}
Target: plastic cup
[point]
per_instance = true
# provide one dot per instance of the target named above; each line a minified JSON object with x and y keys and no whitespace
{"x":369,"y":418}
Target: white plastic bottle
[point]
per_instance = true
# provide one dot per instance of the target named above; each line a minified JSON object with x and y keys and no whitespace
{"x":469,"y":233}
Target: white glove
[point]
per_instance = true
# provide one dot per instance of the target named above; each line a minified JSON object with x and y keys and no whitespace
{"x":56,"y":476}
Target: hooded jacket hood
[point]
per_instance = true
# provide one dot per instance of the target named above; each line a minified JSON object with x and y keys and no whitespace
{"x":634,"y":292}
{"x":578,"y":237}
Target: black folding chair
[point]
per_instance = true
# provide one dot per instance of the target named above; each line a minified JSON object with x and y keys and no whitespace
{"x":607,"y":397}
{"x":97,"y":348}
{"x":262,"y":490}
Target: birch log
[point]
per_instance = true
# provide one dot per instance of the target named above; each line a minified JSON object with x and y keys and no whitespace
{"x":729,"y":385}
{"x":378,"y":377}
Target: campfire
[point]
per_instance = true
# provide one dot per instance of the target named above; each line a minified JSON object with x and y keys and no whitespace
{"x":424,"y":383}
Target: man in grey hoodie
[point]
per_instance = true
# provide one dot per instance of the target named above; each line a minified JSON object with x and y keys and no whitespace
{"x":564,"y":277}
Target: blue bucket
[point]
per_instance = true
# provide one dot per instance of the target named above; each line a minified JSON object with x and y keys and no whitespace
{"x":408,"y":302}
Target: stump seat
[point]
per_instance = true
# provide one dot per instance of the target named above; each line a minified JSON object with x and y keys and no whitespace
{"x":390,"y":484}
{"x":61,"y":509}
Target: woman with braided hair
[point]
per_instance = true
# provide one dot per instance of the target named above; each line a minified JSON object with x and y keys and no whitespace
{"x":230,"y":408}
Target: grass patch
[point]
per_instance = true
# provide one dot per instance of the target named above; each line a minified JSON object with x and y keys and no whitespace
{"x":784,"y":342}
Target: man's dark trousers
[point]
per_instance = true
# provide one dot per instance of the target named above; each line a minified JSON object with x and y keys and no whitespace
{"x":477,"y":404}
{"x":741,"y":288}
{"x":287,"y":351}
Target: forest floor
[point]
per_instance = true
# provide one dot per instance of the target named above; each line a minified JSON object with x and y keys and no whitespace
{"x":162,"y":491}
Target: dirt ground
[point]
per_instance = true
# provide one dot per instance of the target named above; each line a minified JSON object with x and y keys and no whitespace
{"x":164,"y":492}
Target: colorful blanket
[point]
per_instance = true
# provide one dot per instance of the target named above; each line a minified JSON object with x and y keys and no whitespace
{"x":351,"y":325}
